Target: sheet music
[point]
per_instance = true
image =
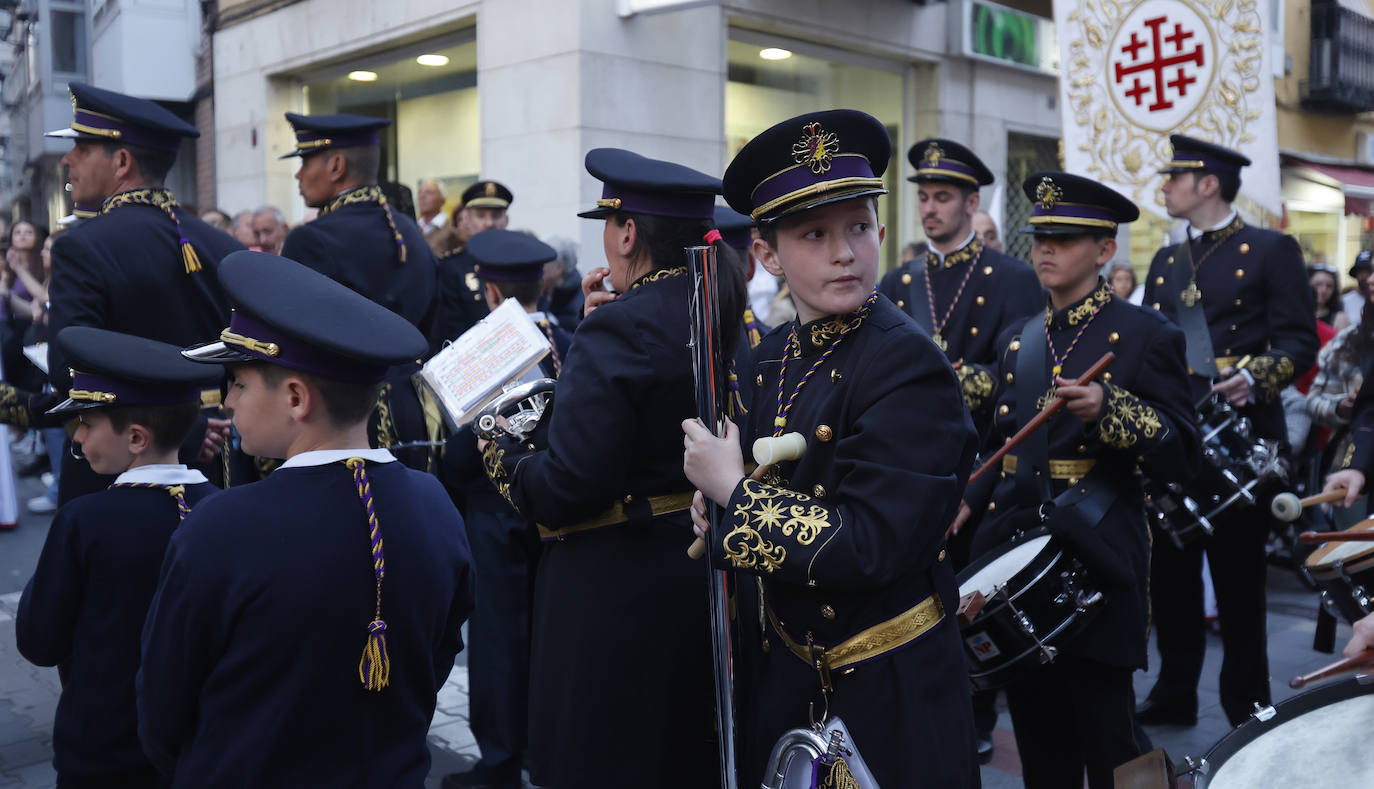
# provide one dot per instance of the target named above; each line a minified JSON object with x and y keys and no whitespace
{"x":470,"y":371}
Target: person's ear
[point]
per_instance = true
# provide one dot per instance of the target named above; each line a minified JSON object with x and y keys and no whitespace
{"x":139,"y":438}
{"x":767,"y":257}
{"x":971,"y":204}
{"x":492,"y":294}
{"x":300,"y":400}
{"x":337,"y":166}
{"x":1106,"y":250}
{"x":625,"y":238}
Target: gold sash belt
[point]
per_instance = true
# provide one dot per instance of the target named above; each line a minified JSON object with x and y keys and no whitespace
{"x":615,"y":516}
{"x":870,"y":642}
{"x":1059,"y":469}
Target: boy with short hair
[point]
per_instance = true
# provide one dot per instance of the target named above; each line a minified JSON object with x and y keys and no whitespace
{"x":134,"y":401}
{"x":854,"y":611}
{"x":289,"y":643}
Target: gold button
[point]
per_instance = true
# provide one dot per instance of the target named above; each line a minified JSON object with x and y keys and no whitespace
{"x":992,"y":506}
{"x":906,"y":279}
{"x":835,"y":376}
{"x":827,"y":612}
{"x":1233,"y":327}
{"x":1004,"y":409}
{"x":1159,"y":280}
{"x":1170,"y":260}
{"x":1073,"y":481}
{"x":973,"y":332}
{"x":629,"y":498}
{"x":824,"y":433}
{"x":1237,"y":302}
{"x":758,"y":380}
{"x":1082,"y":448}
{"x":1113,"y":338}
{"x":818,"y":491}
{"x":941,"y":556}
{"x":987,"y":270}
{"x":980,"y":301}
{"x":901,"y":303}
{"x":1244,"y":248}
{"x":1010,"y":378}
{"x":1107,"y":377}
{"x":1240,"y":273}
{"x":1015,"y":345}
{"x":1155,"y":305}
{"x":766,"y":646}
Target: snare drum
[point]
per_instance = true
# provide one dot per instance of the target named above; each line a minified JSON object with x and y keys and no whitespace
{"x":1344,"y":572}
{"x":1174,"y":514}
{"x":1037,"y":597}
{"x":1314,"y":739}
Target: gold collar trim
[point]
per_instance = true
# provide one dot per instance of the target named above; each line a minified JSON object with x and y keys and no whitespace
{"x":158,"y":198}
{"x":1088,"y":307}
{"x":961,"y":255}
{"x":655,"y":276}
{"x":363,"y":194}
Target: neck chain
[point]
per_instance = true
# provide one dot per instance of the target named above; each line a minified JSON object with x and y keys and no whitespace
{"x":162,"y":200}
{"x":851,"y":323}
{"x":1191,"y":295}
{"x":370,"y":194}
{"x":1094,"y":303}
{"x":663,"y":273}
{"x":975,"y":251}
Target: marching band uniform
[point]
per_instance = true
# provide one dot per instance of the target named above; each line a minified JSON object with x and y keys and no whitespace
{"x":250,"y":672}
{"x":84,"y":608}
{"x":505,"y":549}
{"x":620,"y":615}
{"x":1078,"y":710}
{"x":1252,"y":286}
{"x":461,"y":304}
{"x":142,"y":249}
{"x":737,"y":231}
{"x":846,"y":545}
{"x":965,"y":299}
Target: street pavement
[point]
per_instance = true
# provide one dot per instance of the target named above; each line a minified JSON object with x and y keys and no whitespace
{"x":28,"y":694}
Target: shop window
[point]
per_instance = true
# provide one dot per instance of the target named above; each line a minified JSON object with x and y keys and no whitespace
{"x":769,"y":82}
{"x":1026,"y":154}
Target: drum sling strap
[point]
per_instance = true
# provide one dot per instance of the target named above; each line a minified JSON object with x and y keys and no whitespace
{"x":1192,"y":319}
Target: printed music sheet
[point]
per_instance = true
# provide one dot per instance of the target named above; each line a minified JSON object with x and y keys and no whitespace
{"x":472,"y":370}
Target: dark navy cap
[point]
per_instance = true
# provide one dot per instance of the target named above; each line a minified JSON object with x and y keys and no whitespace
{"x":1068,"y":204}
{"x":1363,"y":262}
{"x":509,"y":256}
{"x":105,"y":116}
{"x":808,"y":161}
{"x":114,"y":369}
{"x":487,"y":194}
{"x":289,"y":315}
{"x":736,"y":229}
{"x":640,"y":185}
{"x":322,"y":132}
{"x":945,"y":161}
{"x":1192,"y":154}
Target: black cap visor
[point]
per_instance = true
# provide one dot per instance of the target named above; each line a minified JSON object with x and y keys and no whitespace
{"x":824,"y":199}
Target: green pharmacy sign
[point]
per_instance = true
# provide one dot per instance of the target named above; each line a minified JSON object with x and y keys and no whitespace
{"x":1010,"y":37}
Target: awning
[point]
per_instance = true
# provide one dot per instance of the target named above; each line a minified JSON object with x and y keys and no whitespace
{"x":1356,"y":183}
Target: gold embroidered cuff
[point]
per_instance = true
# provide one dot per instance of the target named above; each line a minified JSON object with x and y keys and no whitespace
{"x":1126,"y":419}
{"x":1272,"y":371}
{"x":767,"y":521}
{"x":977,"y":384}
{"x":14,"y":409}
{"x":494,"y":463}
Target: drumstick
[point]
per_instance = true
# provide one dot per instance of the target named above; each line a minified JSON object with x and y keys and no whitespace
{"x":1050,"y":409}
{"x":768,"y":451}
{"x":1349,"y":535}
{"x":1288,"y":507}
{"x":1360,"y":661}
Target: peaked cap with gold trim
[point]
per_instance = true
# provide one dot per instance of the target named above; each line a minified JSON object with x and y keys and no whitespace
{"x":938,"y":160}
{"x":105,"y":116}
{"x":487,"y":194}
{"x":1066,"y":204}
{"x":114,"y":369}
{"x":640,"y":185}
{"x":323,"y":132}
{"x":808,"y":161}
{"x":1192,"y":154}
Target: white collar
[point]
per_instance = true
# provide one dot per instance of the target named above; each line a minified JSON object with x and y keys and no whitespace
{"x":161,"y":474}
{"x":540,"y":315}
{"x":440,"y":219}
{"x":323,"y":457}
{"x":940,"y":256}
{"x":1195,"y":234}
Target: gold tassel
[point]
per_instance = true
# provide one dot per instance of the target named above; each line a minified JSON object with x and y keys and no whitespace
{"x":375,"y":667}
{"x":189,"y":258}
{"x":403,"y":251}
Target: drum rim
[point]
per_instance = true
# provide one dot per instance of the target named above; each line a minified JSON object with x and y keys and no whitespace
{"x":991,"y":556}
{"x":1316,"y":561}
{"x":1233,"y":741}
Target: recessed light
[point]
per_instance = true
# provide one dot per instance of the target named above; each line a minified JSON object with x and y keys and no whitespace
{"x":774,"y":53}
{"x":363,"y":76}
{"x":432,"y":60}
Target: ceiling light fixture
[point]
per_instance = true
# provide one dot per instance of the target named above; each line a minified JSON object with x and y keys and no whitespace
{"x":363,"y":76}
{"x":774,"y":53}
{"x":432,"y":60}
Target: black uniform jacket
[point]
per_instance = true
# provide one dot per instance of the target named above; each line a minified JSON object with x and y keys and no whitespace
{"x":620,"y":615}
{"x":353,"y":245}
{"x":983,"y":291}
{"x":461,"y":303}
{"x":852,"y":535}
{"x":83,"y":611}
{"x":250,"y":673}
{"x":1258,"y":303}
{"x":1145,"y":424}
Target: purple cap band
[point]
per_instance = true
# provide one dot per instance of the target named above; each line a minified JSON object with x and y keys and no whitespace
{"x":801,"y":176}
{"x":1067,"y":212}
{"x":682,"y":205}
{"x":326,"y":140}
{"x":100,"y":125}
{"x":298,"y":354}
{"x":130,"y":392}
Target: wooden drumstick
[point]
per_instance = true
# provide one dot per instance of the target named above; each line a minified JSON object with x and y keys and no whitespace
{"x":1288,"y":507}
{"x":1352,"y":534}
{"x":1331,"y":669}
{"x":1051,"y":408}
{"x":768,"y":452}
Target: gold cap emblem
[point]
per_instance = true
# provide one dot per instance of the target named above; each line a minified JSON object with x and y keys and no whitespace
{"x":491,"y":189}
{"x":816,"y":148}
{"x":1047,"y":194}
{"x":933,"y":155}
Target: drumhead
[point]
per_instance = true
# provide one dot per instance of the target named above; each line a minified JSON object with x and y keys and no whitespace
{"x":1345,"y":552}
{"x":998,"y":569}
{"x":1313,"y":737}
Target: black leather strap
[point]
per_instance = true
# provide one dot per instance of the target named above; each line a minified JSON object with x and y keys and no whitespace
{"x":1092,"y":496}
{"x":1032,"y":478}
{"x":1193,"y":320}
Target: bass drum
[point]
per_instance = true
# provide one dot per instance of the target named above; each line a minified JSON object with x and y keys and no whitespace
{"x":1314,"y":739}
{"x":1344,"y":572}
{"x":1037,"y":596}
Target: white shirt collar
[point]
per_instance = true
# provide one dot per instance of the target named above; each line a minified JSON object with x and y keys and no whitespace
{"x":440,"y":219}
{"x":940,"y":256}
{"x":323,"y":457}
{"x":161,"y":474}
{"x":1194,"y":233}
{"x":540,"y":315}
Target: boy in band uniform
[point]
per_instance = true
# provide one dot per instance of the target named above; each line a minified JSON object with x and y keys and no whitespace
{"x":133,"y":401}
{"x":304,"y":624}
{"x":846,"y":545}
